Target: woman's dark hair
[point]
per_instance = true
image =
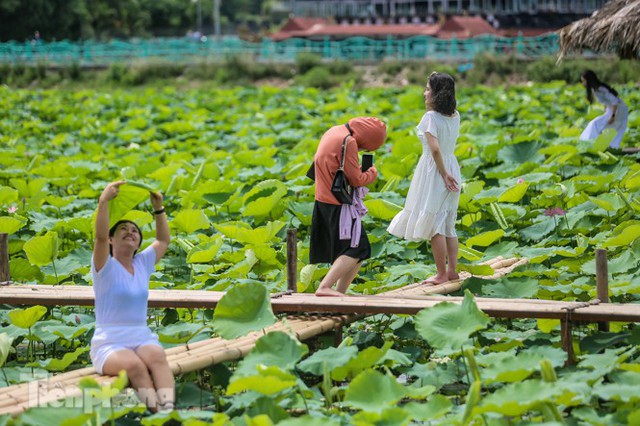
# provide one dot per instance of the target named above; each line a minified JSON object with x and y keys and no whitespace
{"x":112,"y":232}
{"x":593,"y":84}
{"x":442,"y":96}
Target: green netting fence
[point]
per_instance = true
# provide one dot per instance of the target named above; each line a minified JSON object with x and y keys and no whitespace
{"x":353,"y":49}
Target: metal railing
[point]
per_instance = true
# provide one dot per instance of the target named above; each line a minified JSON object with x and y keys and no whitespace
{"x":91,"y":53}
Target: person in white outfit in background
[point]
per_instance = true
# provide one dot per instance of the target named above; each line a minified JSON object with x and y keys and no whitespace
{"x":615,"y":114}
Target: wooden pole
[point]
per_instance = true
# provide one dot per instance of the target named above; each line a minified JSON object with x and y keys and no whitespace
{"x":292,"y":259}
{"x":602,"y":282}
{"x":4,"y":259}
{"x":567,"y":339}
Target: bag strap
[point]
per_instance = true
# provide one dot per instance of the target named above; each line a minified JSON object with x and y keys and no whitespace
{"x":344,"y":151}
{"x":344,"y":146}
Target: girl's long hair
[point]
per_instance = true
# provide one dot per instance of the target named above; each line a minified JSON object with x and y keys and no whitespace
{"x":442,"y":96}
{"x":593,"y":83}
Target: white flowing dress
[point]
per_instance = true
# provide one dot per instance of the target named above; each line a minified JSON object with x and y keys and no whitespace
{"x":430,"y":208}
{"x":598,"y":124}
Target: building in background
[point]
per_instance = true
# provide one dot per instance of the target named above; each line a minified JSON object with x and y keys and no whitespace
{"x":438,"y":18}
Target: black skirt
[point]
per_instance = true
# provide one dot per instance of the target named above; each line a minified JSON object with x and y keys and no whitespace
{"x":326,"y":245}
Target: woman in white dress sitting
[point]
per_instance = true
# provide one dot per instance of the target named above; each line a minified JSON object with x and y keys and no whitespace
{"x":122,"y":340}
{"x":615,"y":114}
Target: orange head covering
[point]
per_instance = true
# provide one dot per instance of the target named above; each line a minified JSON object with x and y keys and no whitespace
{"x":369,"y":132}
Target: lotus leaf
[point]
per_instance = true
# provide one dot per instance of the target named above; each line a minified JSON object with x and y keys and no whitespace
{"x":275,"y":348}
{"x":387,"y":391}
{"x":42,"y":250}
{"x":449,"y":325}
{"x":243,"y":308}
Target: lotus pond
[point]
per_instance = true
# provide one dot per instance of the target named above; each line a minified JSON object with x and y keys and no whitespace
{"x":231,"y":164}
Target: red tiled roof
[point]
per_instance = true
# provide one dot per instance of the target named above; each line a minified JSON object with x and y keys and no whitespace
{"x":320,"y":30}
{"x":465,"y":27}
{"x":298,"y":24}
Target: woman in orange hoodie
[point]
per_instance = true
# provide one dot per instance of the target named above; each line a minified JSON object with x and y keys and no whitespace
{"x":337,"y":236}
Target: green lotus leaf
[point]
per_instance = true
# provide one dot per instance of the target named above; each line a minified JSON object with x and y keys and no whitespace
{"x":621,"y":388}
{"x":366,"y":358}
{"x":590,"y":416}
{"x":516,"y":399}
{"x":437,"y":406}
{"x":55,"y":364}
{"x":180,"y":332}
{"x":243,"y":232}
{"x":48,"y":416}
{"x":624,"y":237}
{"x":485,"y":239}
{"x":521,"y":153}
{"x":538,"y":230}
{"x":269,"y":381}
{"x":205,"y":252}
{"x":274,"y":348}
{"x":514,"y":194}
{"x":263,"y":198}
{"x":387,"y":391}
{"x":10,"y":225}
{"x":382,"y":209}
{"x":5,"y":347}
{"x":308,"y":420}
{"x":607,"y":361}
{"x":21,"y":270}
{"x":66,"y":332}
{"x":449,"y":325}
{"x":263,"y":252}
{"x":512,"y":369}
{"x":479,"y":270}
{"x":42,"y":250}
{"x":332,"y":358}
{"x":244,"y":308}
{"x":388,"y":416}
{"x":129,"y":196}
{"x":189,"y":221}
{"x":8,"y":195}
{"x":517,"y":288}
{"x":26,"y":318}
{"x":81,"y":224}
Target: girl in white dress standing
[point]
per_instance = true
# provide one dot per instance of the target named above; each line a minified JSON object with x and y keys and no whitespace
{"x":432,"y":202}
{"x":615,"y":114}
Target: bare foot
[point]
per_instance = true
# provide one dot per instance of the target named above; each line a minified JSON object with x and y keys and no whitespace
{"x":436,"y":279}
{"x":453,"y":275}
{"x":328,"y":292}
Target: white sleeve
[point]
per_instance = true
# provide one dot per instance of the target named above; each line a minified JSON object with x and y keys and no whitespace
{"x":608,"y":97}
{"x":148,"y":258}
{"x":428,"y":124}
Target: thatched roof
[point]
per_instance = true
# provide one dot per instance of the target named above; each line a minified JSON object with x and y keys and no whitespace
{"x":613,"y":28}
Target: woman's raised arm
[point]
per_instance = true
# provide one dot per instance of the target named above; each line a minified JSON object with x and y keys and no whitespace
{"x":163,"y":236}
{"x":101,"y":246}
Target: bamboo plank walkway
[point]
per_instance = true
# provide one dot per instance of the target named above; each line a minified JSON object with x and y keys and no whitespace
{"x":182,"y":359}
{"x":406,"y":300}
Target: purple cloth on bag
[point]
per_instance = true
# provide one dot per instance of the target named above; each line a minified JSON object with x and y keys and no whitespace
{"x":353,"y":213}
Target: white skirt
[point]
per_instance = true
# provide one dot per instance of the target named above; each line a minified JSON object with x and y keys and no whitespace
{"x":108,"y":339}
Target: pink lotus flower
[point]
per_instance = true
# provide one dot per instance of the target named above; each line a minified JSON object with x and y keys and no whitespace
{"x":12,"y":209}
{"x":556,"y":211}
{"x":520,"y":180}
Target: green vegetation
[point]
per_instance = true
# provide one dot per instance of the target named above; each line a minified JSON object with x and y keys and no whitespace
{"x":231,"y":163}
{"x":311,"y":71}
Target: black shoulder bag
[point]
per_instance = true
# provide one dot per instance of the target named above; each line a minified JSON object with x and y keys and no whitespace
{"x":311,"y":173}
{"x":340,"y":187}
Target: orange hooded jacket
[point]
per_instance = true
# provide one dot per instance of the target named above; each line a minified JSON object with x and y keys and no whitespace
{"x":368,"y":133}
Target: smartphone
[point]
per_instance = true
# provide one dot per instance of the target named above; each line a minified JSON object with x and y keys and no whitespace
{"x":367,"y":161}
